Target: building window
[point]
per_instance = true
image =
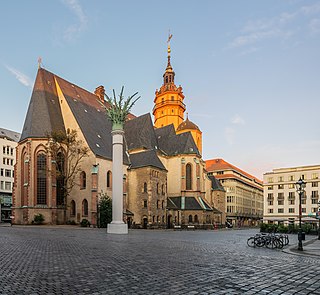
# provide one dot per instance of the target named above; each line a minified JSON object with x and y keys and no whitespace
{"x":270,"y":203}
{"x":270,"y":187}
{"x":1,"y":172}
{"x":109,"y":179}
{"x":85,"y":208}
{"x":145,"y":187}
{"x":188,"y":177}
{"x":162,"y":190}
{"x":73,"y":208}
{"x":291,"y":210}
{"x":83,"y":180}
{"x":270,"y":210}
{"x":196,"y":220}
{"x":190,"y":218}
{"x":291,"y":178}
{"x":280,"y":210}
{"x":7,"y":186}
{"x":145,"y":204}
{"x":280,"y":178}
{"x":303,"y":210}
{"x":291,"y":185}
{"x":280,"y":186}
{"x":41,"y":179}
{"x":157,"y":188}
{"x":314,"y":176}
{"x":270,"y":179}
{"x":2,"y":185}
{"x":314,"y":184}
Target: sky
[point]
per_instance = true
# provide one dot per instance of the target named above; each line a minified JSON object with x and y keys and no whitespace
{"x":249,"y":69}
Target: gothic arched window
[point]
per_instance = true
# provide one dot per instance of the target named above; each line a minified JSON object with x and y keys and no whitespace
{"x":109,"y":179}
{"x":188,"y":177}
{"x":145,"y":187}
{"x":85,"y":209}
{"x":83,"y":180}
{"x":73,"y":208}
{"x":41,"y":179}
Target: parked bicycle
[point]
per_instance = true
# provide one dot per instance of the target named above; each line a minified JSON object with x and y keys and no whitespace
{"x":271,"y":241}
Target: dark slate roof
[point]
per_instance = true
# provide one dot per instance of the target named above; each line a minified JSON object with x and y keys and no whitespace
{"x":190,"y":203}
{"x":44,"y":114}
{"x":215,"y":184}
{"x":9,"y":135}
{"x":174,"y":144}
{"x":139,"y":133}
{"x":145,"y":159}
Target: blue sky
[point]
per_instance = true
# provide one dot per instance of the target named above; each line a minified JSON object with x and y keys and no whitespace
{"x":249,"y":69}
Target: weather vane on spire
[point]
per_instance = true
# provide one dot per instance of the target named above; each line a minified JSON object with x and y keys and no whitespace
{"x":169,"y":37}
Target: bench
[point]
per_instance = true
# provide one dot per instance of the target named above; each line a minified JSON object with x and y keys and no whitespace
{"x":190,"y":227}
{"x":177,"y":227}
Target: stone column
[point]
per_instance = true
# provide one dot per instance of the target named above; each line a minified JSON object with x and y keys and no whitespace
{"x":117,"y":226}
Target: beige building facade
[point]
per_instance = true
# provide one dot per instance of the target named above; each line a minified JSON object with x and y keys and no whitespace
{"x":281,"y":201}
{"x":244,"y":193}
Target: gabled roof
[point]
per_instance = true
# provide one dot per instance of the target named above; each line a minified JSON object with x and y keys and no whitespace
{"x":139,"y":133}
{"x":9,"y":135}
{"x":174,"y":144}
{"x":44,"y":114}
{"x":145,"y":159}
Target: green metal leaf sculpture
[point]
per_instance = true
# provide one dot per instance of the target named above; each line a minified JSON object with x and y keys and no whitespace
{"x":119,"y":109}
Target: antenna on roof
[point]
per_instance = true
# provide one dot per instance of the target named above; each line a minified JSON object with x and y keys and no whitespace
{"x":39,"y":62}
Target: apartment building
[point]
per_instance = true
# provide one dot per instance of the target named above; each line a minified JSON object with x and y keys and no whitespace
{"x":281,"y":201}
{"x":8,"y":143}
{"x":244,"y":192}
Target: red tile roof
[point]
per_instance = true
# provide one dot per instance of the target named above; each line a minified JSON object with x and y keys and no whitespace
{"x":220,"y":164}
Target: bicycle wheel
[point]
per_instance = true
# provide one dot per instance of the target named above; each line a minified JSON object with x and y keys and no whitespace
{"x":250,"y":242}
{"x":259,"y":241}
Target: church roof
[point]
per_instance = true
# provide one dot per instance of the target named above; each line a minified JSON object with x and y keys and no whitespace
{"x":174,"y":144}
{"x":215,"y":184}
{"x":44,"y":114}
{"x":187,"y":203}
{"x":145,"y":159}
{"x":187,"y":124}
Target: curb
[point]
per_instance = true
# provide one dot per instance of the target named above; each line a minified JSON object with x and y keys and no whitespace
{"x":294,"y":251}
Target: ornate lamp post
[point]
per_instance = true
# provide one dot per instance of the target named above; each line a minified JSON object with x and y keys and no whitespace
{"x":117,"y":113}
{"x":300,"y":186}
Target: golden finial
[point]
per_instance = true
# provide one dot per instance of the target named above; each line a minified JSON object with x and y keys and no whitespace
{"x":39,"y":62}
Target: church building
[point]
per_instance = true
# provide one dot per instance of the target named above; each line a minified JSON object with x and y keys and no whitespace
{"x":164,"y":176}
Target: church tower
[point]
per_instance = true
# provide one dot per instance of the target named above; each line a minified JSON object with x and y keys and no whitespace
{"x":168,"y":103}
{"x":169,"y":107}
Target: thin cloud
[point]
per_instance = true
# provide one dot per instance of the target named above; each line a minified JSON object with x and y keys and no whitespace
{"x":72,"y":32}
{"x":22,"y":78}
{"x":277,"y":27}
{"x":237,"y":120}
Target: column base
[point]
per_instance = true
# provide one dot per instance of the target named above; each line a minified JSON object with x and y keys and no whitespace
{"x":117,"y":228}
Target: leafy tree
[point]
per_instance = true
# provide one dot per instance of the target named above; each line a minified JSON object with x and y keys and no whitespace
{"x":67,"y":153}
{"x":105,"y":210}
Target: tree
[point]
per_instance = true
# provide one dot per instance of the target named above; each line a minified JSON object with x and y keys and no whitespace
{"x":105,"y":210}
{"x":67,"y":153}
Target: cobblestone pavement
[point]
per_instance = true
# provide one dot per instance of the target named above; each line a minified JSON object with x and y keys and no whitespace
{"x":52,"y":260}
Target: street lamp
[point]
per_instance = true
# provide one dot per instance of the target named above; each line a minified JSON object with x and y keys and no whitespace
{"x":300,"y":186}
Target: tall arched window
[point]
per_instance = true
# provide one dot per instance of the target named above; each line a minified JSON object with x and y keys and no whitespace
{"x":109,"y":179}
{"x":60,"y":178}
{"x":190,"y":218}
{"x":85,"y":209}
{"x":41,"y":179}
{"x":196,"y":219}
{"x":145,"y":187}
{"x":24,"y":178}
{"x":73,"y":208}
{"x":83,"y":180}
{"x":188,"y":177}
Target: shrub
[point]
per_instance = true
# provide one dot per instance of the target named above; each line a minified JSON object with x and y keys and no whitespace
{"x":71,"y":222}
{"x":105,"y":211}
{"x":38,"y":219}
{"x":84,"y":223}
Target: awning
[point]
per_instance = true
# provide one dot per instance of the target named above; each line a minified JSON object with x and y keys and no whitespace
{"x":275,"y":219}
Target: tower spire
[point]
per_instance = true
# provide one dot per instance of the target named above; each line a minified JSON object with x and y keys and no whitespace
{"x":168,"y":76}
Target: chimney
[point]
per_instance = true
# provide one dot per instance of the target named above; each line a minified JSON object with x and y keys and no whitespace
{"x":100,"y":92}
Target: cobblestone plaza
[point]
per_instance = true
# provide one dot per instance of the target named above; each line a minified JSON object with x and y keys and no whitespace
{"x":67,"y":260}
